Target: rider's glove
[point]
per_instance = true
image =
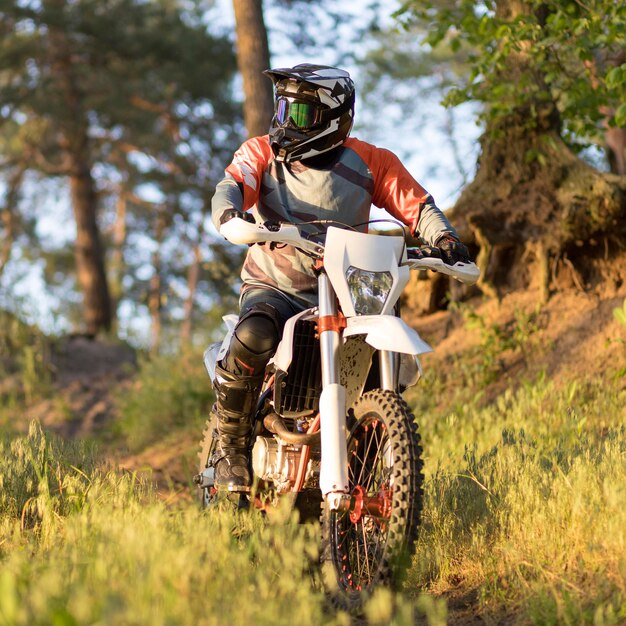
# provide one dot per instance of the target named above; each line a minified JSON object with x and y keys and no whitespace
{"x":230,"y":213}
{"x":452,"y":250}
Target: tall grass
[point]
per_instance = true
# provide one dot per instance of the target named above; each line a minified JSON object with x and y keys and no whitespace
{"x":25,"y":373}
{"x":99,"y":548}
{"x":525,"y":513}
{"x":526,"y":504}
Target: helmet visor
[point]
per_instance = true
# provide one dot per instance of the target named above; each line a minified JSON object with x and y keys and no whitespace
{"x":302,"y":114}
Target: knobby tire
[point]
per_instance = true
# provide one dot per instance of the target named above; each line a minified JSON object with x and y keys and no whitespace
{"x":384,"y":456}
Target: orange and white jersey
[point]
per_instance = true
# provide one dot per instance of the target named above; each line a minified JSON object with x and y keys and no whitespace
{"x":342,"y":190}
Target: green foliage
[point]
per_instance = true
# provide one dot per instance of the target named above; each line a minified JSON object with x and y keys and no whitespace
{"x":169,"y":392}
{"x":24,"y":364}
{"x":483,"y":364}
{"x":620,"y":314}
{"x":528,"y":52}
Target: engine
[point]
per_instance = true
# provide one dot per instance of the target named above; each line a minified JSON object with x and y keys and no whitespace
{"x":277,"y":462}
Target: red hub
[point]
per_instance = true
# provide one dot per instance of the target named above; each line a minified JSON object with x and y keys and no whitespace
{"x":378,"y":506}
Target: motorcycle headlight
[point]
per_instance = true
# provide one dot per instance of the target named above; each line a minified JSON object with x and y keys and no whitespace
{"x":369,"y":290}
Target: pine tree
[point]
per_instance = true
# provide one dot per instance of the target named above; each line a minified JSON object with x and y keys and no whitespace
{"x":86,"y":81}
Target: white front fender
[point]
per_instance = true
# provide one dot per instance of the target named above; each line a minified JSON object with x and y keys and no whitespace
{"x":387,"y":332}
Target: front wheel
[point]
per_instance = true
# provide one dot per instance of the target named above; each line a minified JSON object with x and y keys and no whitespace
{"x":371,"y":544}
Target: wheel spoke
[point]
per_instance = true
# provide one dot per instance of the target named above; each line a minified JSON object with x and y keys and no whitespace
{"x":374,"y":466}
{"x":366,"y":551}
{"x":369,"y":444}
{"x":358,"y":562}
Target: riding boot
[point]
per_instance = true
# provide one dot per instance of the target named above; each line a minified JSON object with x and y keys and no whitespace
{"x":236,"y":401}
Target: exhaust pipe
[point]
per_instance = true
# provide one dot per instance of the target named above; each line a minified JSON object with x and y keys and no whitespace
{"x":276,"y":425}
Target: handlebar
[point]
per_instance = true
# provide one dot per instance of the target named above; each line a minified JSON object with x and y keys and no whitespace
{"x":239,"y":231}
{"x":467,"y":273}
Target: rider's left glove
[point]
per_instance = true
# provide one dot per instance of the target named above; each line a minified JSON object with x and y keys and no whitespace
{"x":452,"y":250}
{"x":229,"y":214}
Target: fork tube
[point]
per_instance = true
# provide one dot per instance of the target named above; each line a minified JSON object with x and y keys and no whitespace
{"x":334,"y":482}
{"x":329,"y":340}
{"x":388,"y":369}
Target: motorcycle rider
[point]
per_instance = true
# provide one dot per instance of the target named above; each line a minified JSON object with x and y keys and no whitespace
{"x":307,"y":168}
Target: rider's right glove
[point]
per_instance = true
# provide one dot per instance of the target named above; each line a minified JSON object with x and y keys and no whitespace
{"x":452,"y":250}
{"x":230,"y":213}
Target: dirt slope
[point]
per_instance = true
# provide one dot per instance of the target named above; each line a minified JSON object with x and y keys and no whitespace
{"x":86,"y":377}
{"x":570,"y":337}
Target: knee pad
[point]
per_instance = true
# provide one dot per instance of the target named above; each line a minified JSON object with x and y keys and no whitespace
{"x":254,"y":341}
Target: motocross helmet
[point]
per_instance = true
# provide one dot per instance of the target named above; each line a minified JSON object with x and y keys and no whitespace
{"x":314,"y":110}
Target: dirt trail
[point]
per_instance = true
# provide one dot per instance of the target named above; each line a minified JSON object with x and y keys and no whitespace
{"x":87,"y":375}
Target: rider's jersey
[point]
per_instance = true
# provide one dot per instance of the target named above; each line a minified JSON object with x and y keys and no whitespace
{"x":343,"y":190}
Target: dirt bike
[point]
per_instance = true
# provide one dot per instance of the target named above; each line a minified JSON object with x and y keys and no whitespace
{"x":331,"y":426}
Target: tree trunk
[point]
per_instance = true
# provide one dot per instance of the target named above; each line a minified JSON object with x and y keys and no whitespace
{"x":8,"y":215}
{"x":193,"y":275}
{"x":74,"y":142}
{"x":88,"y":252}
{"x":616,"y":148}
{"x":155,"y":295}
{"x":117,"y":256}
{"x":253,"y":58}
{"x":533,"y":200}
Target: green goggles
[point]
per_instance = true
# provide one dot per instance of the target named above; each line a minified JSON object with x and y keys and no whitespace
{"x":301,"y":114}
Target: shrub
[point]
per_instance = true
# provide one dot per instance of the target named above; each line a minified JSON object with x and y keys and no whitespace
{"x":169,"y":392}
{"x":25,"y":372}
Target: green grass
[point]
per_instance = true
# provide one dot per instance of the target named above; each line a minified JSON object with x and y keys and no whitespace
{"x":526,"y":503}
{"x":25,"y":373}
{"x":98,"y":547}
{"x":525,"y":513}
{"x":169,"y":392}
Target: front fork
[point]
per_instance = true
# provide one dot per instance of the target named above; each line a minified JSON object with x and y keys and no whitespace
{"x":389,"y":364}
{"x":334,"y":481}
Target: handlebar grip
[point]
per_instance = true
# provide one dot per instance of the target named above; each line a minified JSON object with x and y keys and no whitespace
{"x":425,"y":252}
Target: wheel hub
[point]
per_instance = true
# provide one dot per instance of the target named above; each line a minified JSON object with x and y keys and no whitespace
{"x":377,"y":506}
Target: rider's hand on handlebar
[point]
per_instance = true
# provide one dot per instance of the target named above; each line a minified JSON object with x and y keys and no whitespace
{"x":229,"y":214}
{"x":448,"y":249}
{"x":425,"y":252}
{"x":272,"y":226}
{"x":453,"y":251}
